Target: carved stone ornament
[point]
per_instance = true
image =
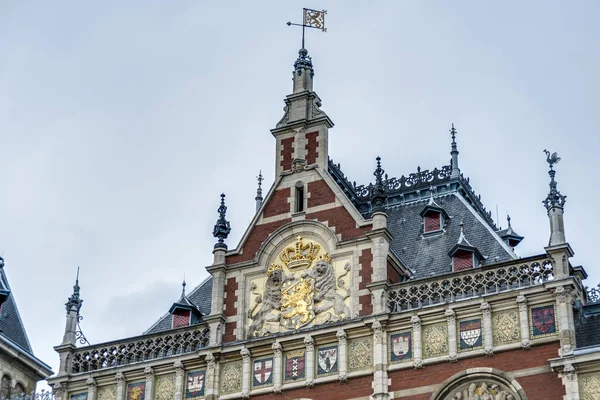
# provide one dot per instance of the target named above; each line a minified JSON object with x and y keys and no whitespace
{"x":120,"y":378}
{"x":377,"y":330}
{"x":481,"y":390}
{"x":90,"y":382}
{"x":416,"y":323}
{"x":301,"y":288}
{"x":210,"y":361}
{"x":276,"y":347}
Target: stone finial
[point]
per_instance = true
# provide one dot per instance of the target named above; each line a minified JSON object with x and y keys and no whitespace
{"x":74,"y":302}
{"x":454,"y":153}
{"x":222,"y":227}
{"x":379,"y":189}
{"x":554,"y":198}
{"x":259,"y":196}
{"x":304,"y":63}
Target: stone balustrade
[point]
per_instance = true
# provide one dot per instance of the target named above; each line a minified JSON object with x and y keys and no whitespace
{"x":496,"y":278}
{"x":140,"y":348}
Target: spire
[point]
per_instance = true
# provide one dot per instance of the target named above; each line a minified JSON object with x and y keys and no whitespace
{"x":303,"y":72}
{"x":74,"y":302}
{"x":379,"y":190}
{"x":222,"y":227}
{"x":509,"y":236}
{"x":555,"y":204}
{"x":259,"y":197}
{"x":183,"y":288}
{"x":454,"y":153}
{"x":73,"y":305}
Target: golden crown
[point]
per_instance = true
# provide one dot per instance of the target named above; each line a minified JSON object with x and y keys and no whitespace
{"x":274,"y":267}
{"x":324,"y":257}
{"x":299,"y":255}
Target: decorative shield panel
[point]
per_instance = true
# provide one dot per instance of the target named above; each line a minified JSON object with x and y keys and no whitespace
{"x":294,"y":365}
{"x":543,"y":321}
{"x":194,"y":384}
{"x":327,"y":359}
{"x":400,"y":346}
{"x":262,"y":372}
{"x":470,"y":333}
{"x":136,"y":391}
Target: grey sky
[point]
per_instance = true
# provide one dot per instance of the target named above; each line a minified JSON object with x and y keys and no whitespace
{"x":122,"y":122}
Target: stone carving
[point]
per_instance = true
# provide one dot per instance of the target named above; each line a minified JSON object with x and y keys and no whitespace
{"x":435,"y":340}
{"x":589,"y":386}
{"x":506,"y":327}
{"x":165,"y":387}
{"x":483,"y":391}
{"x":231,"y":377}
{"x":361,"y":353}
{"x":107,"y":392}
{"x":302,"y":287}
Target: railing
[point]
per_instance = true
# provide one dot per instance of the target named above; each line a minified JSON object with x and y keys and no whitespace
{"x":41,"y":395}
{"x":593,"y":295}
{"x":140,"y":348}
{"x":468,"y":284}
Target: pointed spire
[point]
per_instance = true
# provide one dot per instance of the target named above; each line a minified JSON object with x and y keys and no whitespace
{"x":379,"y":190}
{"x":183,"y":284}
{"x":454,"y":153}
{"x":222,"y":227}
{"x":508,"y":221}
{"x":259,"y":196}
{"x":74,"y":302}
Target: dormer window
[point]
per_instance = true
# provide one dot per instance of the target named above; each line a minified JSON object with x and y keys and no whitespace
{"x":432,"y":221}
{"x":464,"y":254}
{"x":462,"y":260}
{"x":181,"y":318}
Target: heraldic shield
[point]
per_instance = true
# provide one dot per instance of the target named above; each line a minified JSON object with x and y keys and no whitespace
{"x":194,"y":384}
{"x":294,"y":365}
{"x":327,"y":358}
{"x":543,"y":320}
{"x":401,"y":346}
{"x":263,"y":372}
{"x":470,"y":334}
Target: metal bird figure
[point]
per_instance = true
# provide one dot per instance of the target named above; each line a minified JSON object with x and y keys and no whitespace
{"x":551,"y":159}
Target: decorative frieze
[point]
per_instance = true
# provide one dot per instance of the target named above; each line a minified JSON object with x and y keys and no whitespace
{"x":435,"y":340}
{"x":542,"y":321}
{"x":136,"y":391}
{"x":107,"y":392}
{"x":361,"y":353}
{"x":231,"y":377}
{"x":195,"y":384}
{"x":506,"y":327}
{"x":589,"y":386}
{"x":327,"y":360}
{"x":401,"y":347}
{"x":165,"y":387}
{"x":294,"y":365}
{"x":470,"y":334}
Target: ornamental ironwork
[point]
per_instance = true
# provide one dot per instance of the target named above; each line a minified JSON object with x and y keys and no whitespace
{"x":593,"y":294}
{"x":41,"y":395}
{"x":141,"y":348}
{"x":476,"y":282}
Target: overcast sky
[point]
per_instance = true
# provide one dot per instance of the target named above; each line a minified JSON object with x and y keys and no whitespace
{"x":122,"y":122}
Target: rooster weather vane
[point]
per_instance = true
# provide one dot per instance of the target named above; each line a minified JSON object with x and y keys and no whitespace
{"x":552,"y":159}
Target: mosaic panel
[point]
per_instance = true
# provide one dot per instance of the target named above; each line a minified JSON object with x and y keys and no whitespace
{"x":262,"y":372}
{"x":136,"y":391}
{"x":589,"y":386}
{"x":107,"y":392}
{"x":435,"y":340}
{"x":361,"y":353}
{"x":164,"y":388}
{"x":294,"y":364}
{"x":79,"y":396}
{"x":327,"y":360}
{"x":470,"y":334}
{"x":542,"y":321}
{"x":506,"y":328}
{"x":231,"y":377}
{"x":401,"y":347}
{"x":195,"y":384}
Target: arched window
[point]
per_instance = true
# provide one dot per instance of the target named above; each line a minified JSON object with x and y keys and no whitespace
{"x":19,"y":389}
{"x":5,"y":387}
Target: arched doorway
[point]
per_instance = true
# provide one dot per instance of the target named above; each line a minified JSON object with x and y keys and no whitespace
{"x":480,"y":384}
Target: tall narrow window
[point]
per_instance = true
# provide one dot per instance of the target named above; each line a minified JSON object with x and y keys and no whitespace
{"x":299,"y":197}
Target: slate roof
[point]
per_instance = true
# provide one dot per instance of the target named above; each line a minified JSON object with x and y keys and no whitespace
{"x":11,"y":325}
{"x":427,"y":255}
{"x":199,"y":297}
{"x":587,"y":325}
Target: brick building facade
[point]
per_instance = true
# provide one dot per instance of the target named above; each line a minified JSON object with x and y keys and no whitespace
{"x":404,"y":288}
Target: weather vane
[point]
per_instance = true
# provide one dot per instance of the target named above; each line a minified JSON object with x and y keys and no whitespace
{"x":311,"y":19}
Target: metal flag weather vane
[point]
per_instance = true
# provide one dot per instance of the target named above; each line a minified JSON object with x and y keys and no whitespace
{"x":311,"y":19}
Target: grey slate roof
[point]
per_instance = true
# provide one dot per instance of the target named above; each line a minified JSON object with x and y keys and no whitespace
{"x":11,"y":325}
{"x":199,"y":297}
{"x":587,"y":325}
{"x":427,"y":255}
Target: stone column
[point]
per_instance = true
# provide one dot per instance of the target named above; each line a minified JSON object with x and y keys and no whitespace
{"x":276,"y":367}
{"x":91,"y":385}
{"x":149,"y":393}
{"x":211,"y":391}
{"x":310,"y":361}
{"x":342,"y":355}
{"x":60,"y":390}
{"x":570,"y":382}
{"x":566,"y":325}
{"x":488,"y":338}
{"x":524,"y":320}
{"x":120,"y":378}
{"x":245,"y":353}
{"x":380,"y":376}
{"x":452,"y":342}
{"x":179,"y":379}
{"x":380,"y":247}
{"x":417,"y":344}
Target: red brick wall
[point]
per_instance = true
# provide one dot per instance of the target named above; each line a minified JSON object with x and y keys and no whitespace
{"x":366,"y":269}
{"x":231,"y":286}
{"x":320,"y":194}
{"x":506,"y":361}
{"x":228,"y":335}
{"x":286,"y":153}
{"x":257,"y":236}
{"x":357,"y":387}
{"x":311,"y":147}
{"x":278,"y":203}
{"x":392,"y":273}
{"x":341,"y":219}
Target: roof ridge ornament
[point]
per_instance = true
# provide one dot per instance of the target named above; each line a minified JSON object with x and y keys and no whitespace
{"x":454,"y":153}
{"x":462,"y":239}
{"x":222,"y":227}
{"x":554,"y":198}
{"x":379,"y":190}
{"x":259,"y":197}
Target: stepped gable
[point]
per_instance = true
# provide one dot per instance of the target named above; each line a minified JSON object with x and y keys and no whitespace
{"x":11,"y":325}
{"x":427,"y":255}
{"x":200,"y":297}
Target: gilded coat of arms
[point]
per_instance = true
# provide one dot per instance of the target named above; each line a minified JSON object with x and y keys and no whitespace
{"x":301,"y":288}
